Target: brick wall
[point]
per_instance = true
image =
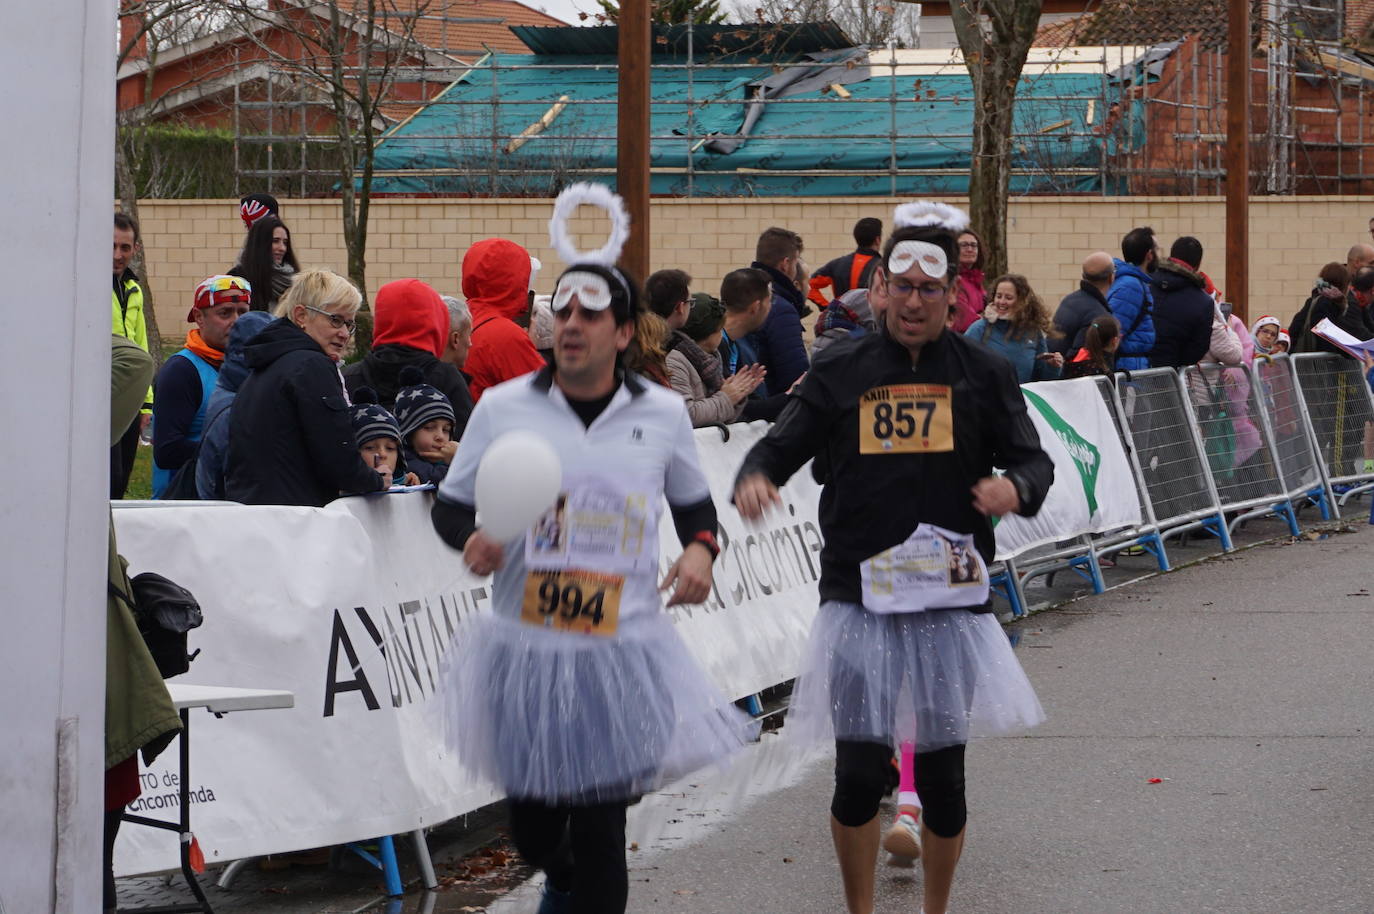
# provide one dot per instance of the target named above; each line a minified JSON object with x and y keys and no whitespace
{"x":1290,"y":237}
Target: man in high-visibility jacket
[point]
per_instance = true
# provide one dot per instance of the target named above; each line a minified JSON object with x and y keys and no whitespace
{"x":852,"y":271}
{"x":127,"y":321}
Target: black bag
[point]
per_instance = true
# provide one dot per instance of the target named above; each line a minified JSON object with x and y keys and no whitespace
{"x":183,"y":484}
{"x":165,"y":611}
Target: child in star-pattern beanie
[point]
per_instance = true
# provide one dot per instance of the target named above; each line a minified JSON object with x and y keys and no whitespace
{"x":379,"y":437}
{"x":426,"y":421}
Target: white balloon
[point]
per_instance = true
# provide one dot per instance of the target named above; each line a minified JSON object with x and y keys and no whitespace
{"x":518,"y":479}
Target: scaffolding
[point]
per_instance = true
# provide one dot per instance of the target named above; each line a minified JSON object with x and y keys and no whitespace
{"x":1152,"y":118}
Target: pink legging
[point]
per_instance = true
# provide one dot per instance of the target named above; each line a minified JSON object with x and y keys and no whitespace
{"x":906,"y":788}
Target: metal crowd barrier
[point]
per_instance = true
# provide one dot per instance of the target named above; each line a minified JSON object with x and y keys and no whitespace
{"x":1340,"y":413}
{"x":1166,"y":445}
{"x":1288,"y":430}
{"x":1211,"y":446}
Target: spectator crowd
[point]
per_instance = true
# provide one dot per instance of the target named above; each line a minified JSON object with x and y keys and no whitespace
{"x":265,"y":404}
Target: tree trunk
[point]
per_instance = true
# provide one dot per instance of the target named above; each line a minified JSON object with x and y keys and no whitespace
{"x":994,"y":55}
{"x":990,"y":174}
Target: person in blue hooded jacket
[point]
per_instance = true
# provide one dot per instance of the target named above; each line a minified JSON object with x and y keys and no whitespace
{"x":1131,"y":300}
{"x":214,"y":442}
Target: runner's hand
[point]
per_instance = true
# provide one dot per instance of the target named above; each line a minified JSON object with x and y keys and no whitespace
{"x":692,"y":575}
{"x":483,"y":554}
{"x":995,"y":495}
{"x":754,"y":495}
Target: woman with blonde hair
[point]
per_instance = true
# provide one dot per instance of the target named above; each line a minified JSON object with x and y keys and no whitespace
{"x":290,"y":434}
{"x":1017,"y":324}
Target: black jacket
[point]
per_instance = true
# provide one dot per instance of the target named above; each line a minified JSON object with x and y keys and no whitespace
{"x":1076,"y":312}
{"x":1183,"y":317}
{"x":290,"y":436}
{"x":873,"y":502}
{"x":1343,"y":313}
{"x":779,"y":341}
{"x":381,"y":368}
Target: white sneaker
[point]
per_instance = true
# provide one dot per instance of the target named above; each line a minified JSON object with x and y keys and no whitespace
{"x":903,"y":841}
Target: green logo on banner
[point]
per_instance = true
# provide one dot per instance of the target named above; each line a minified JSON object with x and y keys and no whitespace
{"x":1085,"y":455}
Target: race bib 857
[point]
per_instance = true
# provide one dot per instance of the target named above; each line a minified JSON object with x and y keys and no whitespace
{"x":906,"y":419}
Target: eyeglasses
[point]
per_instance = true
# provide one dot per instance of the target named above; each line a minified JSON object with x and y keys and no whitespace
{"x":968,"y":244}
{"x":338,"y":323}
{"x":930,"y":291}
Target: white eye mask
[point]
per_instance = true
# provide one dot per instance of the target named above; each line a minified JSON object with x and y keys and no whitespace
{"x":591,"y":289}
{"x":929,"y":257}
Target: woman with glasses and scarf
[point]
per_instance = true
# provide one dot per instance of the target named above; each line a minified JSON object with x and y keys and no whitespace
{"x":290,"y":435}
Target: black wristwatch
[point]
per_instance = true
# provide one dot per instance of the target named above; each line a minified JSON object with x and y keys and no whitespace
{"x":1022,"y":491}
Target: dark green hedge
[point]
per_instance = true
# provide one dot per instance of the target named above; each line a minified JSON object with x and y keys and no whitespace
{"x":198,"y":163}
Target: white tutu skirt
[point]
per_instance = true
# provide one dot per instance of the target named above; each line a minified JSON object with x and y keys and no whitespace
{"x":577,"y":719}
{"x":935,"y":678}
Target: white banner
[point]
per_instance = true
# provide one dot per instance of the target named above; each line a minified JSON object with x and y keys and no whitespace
{"x":1094,"y":490}
{"x":350,"y":608}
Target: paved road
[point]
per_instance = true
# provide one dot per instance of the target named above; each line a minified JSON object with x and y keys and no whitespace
{"x":1246,"y":683}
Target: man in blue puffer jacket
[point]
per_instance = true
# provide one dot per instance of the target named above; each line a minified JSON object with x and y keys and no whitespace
{"x":1131,"y":300}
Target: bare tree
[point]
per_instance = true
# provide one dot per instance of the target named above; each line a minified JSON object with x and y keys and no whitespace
{"x":353,"y":52}
{"x":995,"y":36}
{"x":148,"y":27}
{"x":867,"y":22}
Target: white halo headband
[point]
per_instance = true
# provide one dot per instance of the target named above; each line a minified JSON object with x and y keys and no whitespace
{"x":566,"y":205}
{"x":930,"y":213}
{"x":591,"y":289}
{"x":929,"y":257}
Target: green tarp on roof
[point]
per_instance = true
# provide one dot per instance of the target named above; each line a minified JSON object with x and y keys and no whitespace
{"x":810,"y":143}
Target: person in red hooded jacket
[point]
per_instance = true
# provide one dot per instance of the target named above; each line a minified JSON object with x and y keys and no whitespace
{"x":411,"y":328}
{"x":496,"y":283}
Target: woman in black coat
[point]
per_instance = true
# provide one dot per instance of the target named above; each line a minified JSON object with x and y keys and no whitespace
{"x":290,"y":435}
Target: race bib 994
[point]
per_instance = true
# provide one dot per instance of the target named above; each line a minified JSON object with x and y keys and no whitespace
{"x":572,"y":600}
{"x":906,"y":419}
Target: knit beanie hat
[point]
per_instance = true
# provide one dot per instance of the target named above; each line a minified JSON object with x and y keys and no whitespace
{"x":253,"y":207}
{"x":705,"y":318}
{"x":418,"y":402}
{"x":371,"y":420}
